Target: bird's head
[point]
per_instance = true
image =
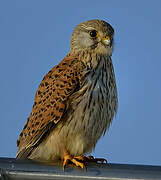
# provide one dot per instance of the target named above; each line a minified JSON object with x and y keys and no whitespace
{"x":93,"y":36}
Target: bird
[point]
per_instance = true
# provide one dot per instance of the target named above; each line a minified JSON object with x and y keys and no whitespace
{"x":75,"y":102}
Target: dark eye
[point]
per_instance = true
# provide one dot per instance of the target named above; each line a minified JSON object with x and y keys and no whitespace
{"x":93,"y":33}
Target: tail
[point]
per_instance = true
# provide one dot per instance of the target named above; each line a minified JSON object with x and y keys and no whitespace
{"x":24,"y":153}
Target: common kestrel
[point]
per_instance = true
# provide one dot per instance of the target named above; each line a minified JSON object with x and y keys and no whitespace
{"x":75,"y":102}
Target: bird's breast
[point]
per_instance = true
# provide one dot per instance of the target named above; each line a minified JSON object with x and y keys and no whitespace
{"x":95,"y":104}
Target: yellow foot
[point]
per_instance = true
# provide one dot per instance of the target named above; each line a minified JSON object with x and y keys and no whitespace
{"x":68,"y":158}
{"x":90,"y":159}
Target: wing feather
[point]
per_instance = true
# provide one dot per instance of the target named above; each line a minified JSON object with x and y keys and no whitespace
{"x":51,"y":102}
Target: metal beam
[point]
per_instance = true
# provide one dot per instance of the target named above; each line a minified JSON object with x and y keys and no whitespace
{"x":12,"y":169}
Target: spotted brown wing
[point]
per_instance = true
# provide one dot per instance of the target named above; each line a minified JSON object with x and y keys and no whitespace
{"x":51,"y":102}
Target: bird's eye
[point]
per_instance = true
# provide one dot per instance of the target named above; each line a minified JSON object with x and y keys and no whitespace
{"x":93,"y":33}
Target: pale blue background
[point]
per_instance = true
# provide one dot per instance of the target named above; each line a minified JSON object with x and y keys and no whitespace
{"x":35,"y":36}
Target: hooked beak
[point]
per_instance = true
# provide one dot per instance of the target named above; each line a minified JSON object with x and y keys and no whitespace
{"x":107,"y":41}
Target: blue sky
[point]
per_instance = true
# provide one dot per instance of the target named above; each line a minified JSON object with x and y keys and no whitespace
{"x":35,"y":36}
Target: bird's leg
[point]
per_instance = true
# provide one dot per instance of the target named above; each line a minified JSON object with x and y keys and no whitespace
{"x":90,"y":159}
{"x":68,"y":158}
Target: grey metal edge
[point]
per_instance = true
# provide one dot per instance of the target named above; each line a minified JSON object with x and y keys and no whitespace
{"x":13,"y":169}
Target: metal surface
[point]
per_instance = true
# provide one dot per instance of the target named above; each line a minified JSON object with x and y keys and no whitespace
{"x":12,"y":169}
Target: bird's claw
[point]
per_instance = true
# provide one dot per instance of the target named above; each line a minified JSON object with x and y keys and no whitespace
{"x":75,"y":161}
{"x":91,"y":159}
